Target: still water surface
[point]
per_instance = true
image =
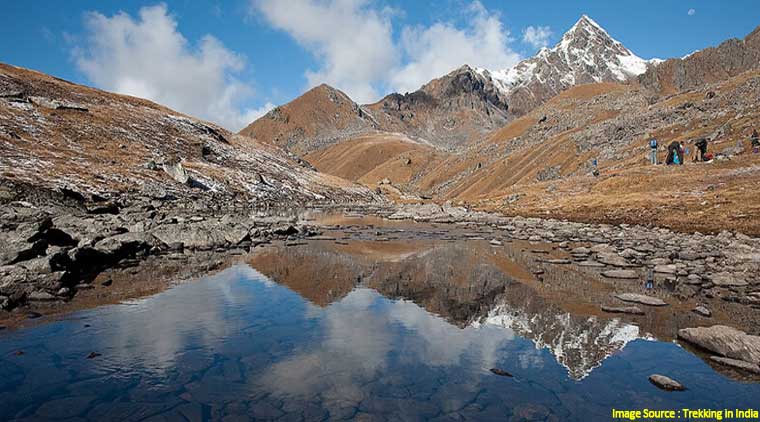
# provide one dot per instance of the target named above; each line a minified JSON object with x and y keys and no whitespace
{"x":238,"y":346}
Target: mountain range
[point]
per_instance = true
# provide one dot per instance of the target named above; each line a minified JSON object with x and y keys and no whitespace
{"x":459,"y":107}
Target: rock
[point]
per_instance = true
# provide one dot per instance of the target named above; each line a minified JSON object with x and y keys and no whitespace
{"x":580,"y":251}
{"x":633,"y":310}
{"x":33,"y":315}
{"x":665,"y":383}
{"x":126,"y":244}
{"x":702,"y":310}
{"x":726,"y":279}
{"x":501,"y":372}
{"x":177,"y":172}
{"x":18,"y":250}
{"x":613,"y":259}
{"x":642,"y":299}
{"x":724,"y":341}
{"x":665,"y":269}
{"x":555,"y":261}
{"x":40,"y":296}
{"x":56,"y":104}
{"x":591,"y":264}
{"x":236,"y":235}
{"x":285,"y":230}
{"x":109,"y":208}
{"x":739,"y":364}
{"x":623,"y":274}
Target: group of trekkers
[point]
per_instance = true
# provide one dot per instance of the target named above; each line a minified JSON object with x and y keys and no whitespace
{"x":677,"y":150}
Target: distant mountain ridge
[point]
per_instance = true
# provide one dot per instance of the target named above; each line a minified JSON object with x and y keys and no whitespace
{"x":710,"y":65}
{"x":463,"y":105}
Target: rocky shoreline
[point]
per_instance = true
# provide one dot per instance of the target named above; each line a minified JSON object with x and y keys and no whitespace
{"x":50,"y":253}
{"x":47,"y":253}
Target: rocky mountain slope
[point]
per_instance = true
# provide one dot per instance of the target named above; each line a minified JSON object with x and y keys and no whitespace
{"x":710,"y":65}
{"x":94,"y":145}
{"x":446,"y":112}
{"x":320,"y":117}
{"x":541,"y":163}
{"x":586,"y":54}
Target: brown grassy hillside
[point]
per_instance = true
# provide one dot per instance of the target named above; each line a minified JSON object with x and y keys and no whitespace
{"x":58,"y":135}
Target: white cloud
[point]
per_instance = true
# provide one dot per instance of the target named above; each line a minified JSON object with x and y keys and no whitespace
{"x":357,"y":53}
{"x":435,"y":50}
{"x":352,"y":42}
{"x":148,"y":57}
{"x":537,"y":36}
{"x":691,"y":12}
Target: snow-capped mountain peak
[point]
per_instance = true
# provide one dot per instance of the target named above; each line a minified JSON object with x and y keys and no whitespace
{"x":585,"y":54}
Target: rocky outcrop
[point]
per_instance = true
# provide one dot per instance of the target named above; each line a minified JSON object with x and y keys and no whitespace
{"x":50,"y":253}
{"x":724,"y":341}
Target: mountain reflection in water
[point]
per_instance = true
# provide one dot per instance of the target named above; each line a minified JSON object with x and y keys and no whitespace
{"x":374,"y":330}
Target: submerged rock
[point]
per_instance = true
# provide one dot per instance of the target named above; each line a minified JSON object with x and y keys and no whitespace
{"x":665,"y":383}
{"x":501,"y":372}
{"x":633,"y":310}
{"x":738,"y":364}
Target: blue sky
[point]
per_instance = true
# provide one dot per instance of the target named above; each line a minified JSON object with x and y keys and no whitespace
{"x":229,"y":61}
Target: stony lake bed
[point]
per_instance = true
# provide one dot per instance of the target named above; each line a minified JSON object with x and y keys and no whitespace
{"x":415,"y":313}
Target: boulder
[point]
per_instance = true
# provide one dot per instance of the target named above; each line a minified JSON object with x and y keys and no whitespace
{"x":665,"y":383}
{"x":642,"y":299}
{"x":725,"y":341}
{"x":126,"y":244}
{"x":16,"y":250}
{"x":665,"y":269}
{"x":177,"y":172}
{"x":613,"y":259}
{"x":41,"y":296}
